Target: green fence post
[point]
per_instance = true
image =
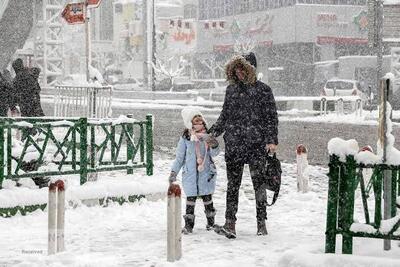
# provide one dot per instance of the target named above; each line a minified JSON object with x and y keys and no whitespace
{"x":393,"y":209}
{"x":350,"y":181}
{"x":1,"y":152}
{"x":112,"y":137}
{"x":92,"y":147}
{"x":73,"y":144}
{"x":129,"y":145}
{"x":83,"y":147}
{"x":378,"y":198}
{"x":149,"y":144}
{"x":331,"y":218}
{"x":9,"y":149}
{"x":141,"y":143}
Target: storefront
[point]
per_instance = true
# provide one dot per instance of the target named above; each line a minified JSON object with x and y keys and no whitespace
{"x":289,"y":39}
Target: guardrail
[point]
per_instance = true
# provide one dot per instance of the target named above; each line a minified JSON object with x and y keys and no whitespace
{"x":344,"y":180}
{"x":52,"y":146}
{"x":83,"y":101}
{"x":339,"y":104}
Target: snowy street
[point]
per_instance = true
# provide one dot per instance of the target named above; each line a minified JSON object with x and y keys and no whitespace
{"x":135,"y":234}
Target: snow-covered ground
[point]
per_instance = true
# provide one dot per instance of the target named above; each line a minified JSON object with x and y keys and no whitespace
{"x":134,"y":234}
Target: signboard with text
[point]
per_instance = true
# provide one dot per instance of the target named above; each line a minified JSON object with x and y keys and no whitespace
{"x":74,"y":13}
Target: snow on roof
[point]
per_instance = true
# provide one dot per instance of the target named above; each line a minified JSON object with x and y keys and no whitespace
{"x":342,"y":80}
{"x":391,"y":2}
{"x":327,"y":62}
{"x":342,"y":148}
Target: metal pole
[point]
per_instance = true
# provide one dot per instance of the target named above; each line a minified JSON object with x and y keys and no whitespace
{"x":145,"y":51}
{"x":153,"y":50}
{"x":88,"y":43}
{"x":387,"y":174}
{"x":44,"y":70}
{"x":379,"y":42}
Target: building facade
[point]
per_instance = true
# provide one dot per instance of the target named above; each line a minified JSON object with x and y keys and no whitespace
{"x":288,"y":36}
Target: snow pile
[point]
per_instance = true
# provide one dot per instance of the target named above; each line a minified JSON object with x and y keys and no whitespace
{"x":392,"y":154}
{"x":62,"y":123}
{"x":302,"y":259}
{"x":123,"y":119}
{"x":362,"y":228}
{"x":367,"y":157}
{"x":342,"y":148}
{"x":23,"y":124}
{"x":106,"y":186}
{"x":95,"y":75}
{"x":387,"y":225}
{"x":8,"y":184}
{"x":391,"y":2}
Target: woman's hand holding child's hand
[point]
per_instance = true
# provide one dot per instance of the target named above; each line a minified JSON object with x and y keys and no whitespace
{"x":212,"y":141}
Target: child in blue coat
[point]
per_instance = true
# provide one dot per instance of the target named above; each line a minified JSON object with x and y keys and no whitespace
{"x":194,"y":156}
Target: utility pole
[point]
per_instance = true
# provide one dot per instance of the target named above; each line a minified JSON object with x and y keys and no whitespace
{"x":154,"y":47}
{"x":375,"y":38}
{"x":88,"y":42}
{"x":145,"y":41}
{"x":149,"y":43}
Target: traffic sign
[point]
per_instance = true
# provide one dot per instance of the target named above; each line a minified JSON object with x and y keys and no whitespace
{"x":74,"y":13}
{"x":93,"y":3}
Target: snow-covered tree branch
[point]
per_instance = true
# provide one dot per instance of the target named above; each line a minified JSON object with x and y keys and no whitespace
{"x":170,"y":68}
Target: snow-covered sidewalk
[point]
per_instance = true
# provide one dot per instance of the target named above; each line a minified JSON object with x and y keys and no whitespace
{"x":134,"y":234}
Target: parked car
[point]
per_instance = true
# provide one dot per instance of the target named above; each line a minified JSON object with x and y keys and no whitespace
{"x":181,"y":84}
{"x":133,"y":84}
{"x":212,"y":89}
{"x":77,"y":79}
{"x":215,"y":85}
{"x":341,"y":87}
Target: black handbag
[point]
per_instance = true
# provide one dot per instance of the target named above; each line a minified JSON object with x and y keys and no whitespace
{"x":272,"y":176}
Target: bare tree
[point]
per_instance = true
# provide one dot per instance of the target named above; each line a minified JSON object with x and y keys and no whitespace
{"x":244,"y":45}
{"x":170,"y":68}
{"x":213,"y":65}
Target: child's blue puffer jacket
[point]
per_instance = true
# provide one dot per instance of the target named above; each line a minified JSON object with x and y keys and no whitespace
{"x":195,"y":183}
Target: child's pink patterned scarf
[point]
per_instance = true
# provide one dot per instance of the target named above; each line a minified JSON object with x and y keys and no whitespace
{"x":197,"y":135}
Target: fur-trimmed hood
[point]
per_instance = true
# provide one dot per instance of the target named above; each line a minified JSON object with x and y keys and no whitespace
{"x":240,"y":61}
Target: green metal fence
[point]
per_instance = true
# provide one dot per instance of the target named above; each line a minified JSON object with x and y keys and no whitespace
{"x":344,"y":179}
{"x":73,"y":146}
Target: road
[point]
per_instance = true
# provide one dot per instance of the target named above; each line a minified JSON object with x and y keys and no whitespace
{"x":168,"y":126}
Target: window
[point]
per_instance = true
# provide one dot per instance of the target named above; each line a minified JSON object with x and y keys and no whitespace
{"x":189,"y":11}
{"x":244,"y":6}
{"x":228,"y":7}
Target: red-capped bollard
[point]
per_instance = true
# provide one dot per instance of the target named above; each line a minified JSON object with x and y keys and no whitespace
{"x":302,"y":164}
{"x":174,"y":223}
{"x":56,"y":217}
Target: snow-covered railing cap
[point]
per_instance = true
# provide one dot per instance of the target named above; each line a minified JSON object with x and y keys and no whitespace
{"x":342,"y":148}
{"x":367,"y":157}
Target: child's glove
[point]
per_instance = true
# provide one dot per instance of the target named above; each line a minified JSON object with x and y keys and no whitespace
{"x":172,"y":177}
{"x":212,"y":141}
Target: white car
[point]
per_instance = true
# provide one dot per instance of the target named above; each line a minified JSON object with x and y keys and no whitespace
{"x":341,"y":87}
{"x":130,"y":84}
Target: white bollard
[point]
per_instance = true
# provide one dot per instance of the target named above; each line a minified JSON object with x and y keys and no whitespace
{"x":52,"y":218}
{"x":174,"y":223}
{"x":358,"y":107}
{"x":56,"y":217}
{"x":302,"y":164}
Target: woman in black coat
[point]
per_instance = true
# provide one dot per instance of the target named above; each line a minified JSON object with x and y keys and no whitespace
{"x":250,"y":122}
